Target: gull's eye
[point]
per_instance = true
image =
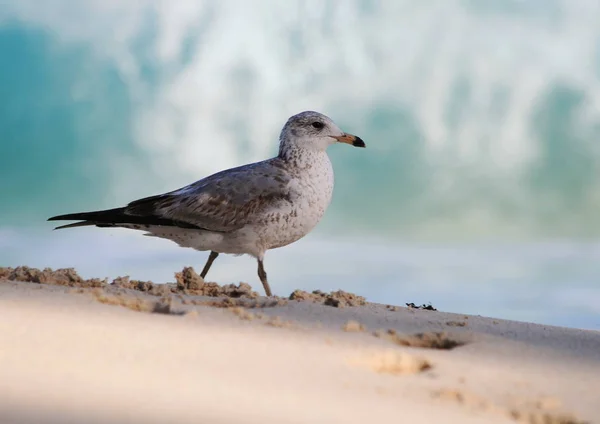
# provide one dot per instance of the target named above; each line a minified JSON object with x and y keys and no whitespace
{"x":318,"y":125}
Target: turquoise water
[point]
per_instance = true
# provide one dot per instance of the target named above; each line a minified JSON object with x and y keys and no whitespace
{"x":482,"y":120}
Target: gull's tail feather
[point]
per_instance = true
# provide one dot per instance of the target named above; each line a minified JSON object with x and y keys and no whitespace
{"x":76,"y":224}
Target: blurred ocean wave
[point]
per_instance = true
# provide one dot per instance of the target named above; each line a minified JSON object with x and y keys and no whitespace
{"x":482,"y":118}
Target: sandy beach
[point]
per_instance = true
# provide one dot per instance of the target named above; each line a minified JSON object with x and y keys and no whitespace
{"x":95,"y":351}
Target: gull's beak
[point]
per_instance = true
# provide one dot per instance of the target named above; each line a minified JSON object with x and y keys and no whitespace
{"x":350,"y":139}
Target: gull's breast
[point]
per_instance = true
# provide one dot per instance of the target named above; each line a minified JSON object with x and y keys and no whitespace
{"x":291,"y":220}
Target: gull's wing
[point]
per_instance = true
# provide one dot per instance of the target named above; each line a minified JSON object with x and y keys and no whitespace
{"x":223,"y":202}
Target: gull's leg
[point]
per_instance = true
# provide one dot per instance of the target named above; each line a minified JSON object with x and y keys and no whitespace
{"x":263,"y":278}
{"x":211,"y":258}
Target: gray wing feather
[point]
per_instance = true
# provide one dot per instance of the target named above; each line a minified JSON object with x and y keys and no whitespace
{"x":223,"y":202}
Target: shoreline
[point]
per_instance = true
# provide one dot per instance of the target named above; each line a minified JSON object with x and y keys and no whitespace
{"x":87,"y":350}
{"x":547,"y":284}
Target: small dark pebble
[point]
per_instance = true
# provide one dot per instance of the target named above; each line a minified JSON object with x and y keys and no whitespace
{"x":424,"y":307}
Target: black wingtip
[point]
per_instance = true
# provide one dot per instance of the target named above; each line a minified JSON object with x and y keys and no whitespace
{"x":115,"y":217}
{"x":67,"y":217}
{"x":82,"y":217}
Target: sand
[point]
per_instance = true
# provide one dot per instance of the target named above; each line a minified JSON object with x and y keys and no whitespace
{"x":94,"y":351}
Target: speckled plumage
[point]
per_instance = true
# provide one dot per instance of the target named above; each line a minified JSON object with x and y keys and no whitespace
{"x":245,"y":210}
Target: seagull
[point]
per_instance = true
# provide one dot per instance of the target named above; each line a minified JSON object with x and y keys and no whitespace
{"x":243,"y":210}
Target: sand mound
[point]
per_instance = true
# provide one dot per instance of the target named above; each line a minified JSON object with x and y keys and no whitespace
{"x":394,"y":363}
{"x":337,"y":299}
{"x":429,"y":340}
{"x":60,"y":277}
{"x":187,"y":282}
{"x":191,"y":283}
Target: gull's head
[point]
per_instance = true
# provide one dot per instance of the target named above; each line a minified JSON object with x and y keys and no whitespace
{"x":313,"y":131}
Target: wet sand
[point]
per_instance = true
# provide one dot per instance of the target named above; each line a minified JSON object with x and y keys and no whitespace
{"x":94,"y":351}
